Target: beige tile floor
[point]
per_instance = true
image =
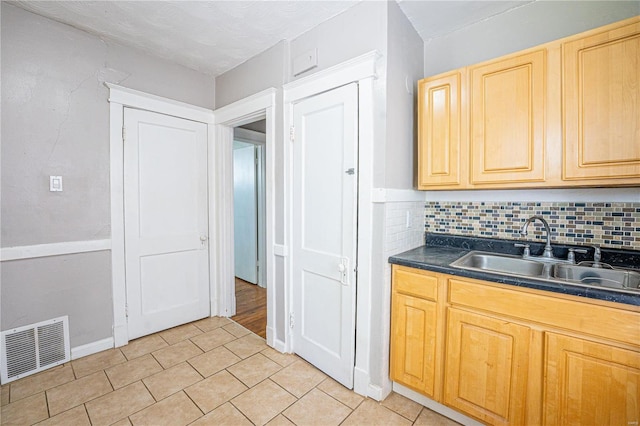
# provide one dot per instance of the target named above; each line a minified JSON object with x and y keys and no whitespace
{"x":210,"y":372}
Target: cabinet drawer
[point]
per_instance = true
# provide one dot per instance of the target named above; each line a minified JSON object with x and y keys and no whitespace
{"x":415,"y":282}
{"x":584,"y":317}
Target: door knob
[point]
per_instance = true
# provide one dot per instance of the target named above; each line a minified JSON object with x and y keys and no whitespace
{"x":203,"y":238}
{"x":343,"y":268}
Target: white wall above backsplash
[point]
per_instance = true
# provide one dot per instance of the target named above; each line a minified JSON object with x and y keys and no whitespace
{"x":630,"y":195}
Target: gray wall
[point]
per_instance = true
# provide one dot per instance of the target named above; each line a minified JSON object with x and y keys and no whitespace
{"x":55,"y":121}
{"x":404,"y":68}
{"x":256,"y":74}
{"x":77,"y":285}
{"x":358,"y":30}
{"x":527,"y":26}
{"x":257,"y":126}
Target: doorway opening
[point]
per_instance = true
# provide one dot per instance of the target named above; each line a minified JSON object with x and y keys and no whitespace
{"x":249,"y":213}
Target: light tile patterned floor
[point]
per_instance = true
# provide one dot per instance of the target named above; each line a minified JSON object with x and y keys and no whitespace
{"x":210,"y":372}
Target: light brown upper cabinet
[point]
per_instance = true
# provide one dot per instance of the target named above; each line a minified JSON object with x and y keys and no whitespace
{"x":601,"y":92}
{"x":507,"y":121}
{"x":566,"y":113}
{"x":440,"y":131}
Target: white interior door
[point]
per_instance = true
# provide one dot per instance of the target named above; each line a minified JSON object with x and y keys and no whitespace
{"x":245,"y":212}
{"x":166,"y":234}
{"x":324,"y":231}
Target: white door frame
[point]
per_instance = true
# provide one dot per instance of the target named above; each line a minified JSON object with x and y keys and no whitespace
{"x":255,"y":107}
{"x":361,"y":70}
{"x":120,"y":97}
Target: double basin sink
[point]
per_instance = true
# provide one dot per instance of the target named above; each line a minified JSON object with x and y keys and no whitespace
{"x":617,"y":279}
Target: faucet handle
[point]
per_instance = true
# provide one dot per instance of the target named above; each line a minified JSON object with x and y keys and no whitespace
{"x":571,"y":257}
{"x":526,"y":251}
{"x":597,"y":254}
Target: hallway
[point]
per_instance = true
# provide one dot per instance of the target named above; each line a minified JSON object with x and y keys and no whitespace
{"x":251,"y":307}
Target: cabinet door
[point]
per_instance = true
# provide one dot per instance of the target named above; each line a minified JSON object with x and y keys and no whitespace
{"x":602,"y":105}
{"x":507,"y":123}
{"x":590,"y":383}
{"x":440,"y":144}
{"x":486,"y":367}
{"x":413,"y":343}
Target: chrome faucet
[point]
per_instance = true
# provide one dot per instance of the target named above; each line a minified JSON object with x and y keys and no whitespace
{"x":548,"y":251}
{"x":597,"y":256}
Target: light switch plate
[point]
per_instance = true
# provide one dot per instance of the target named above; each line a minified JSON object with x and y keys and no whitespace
{"x":55,"y":183}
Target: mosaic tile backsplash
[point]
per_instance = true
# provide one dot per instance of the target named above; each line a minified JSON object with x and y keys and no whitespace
{"x":615,"y":225}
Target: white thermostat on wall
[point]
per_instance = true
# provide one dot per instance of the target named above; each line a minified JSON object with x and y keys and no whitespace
{"x":55,"y":183}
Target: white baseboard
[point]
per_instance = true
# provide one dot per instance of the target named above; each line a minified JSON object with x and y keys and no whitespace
{"x":121,"y":333}
{"x":271,"y":337}
{"x":91,"y":348}
{"x":279,"y":345}
{"x":434,"y":406}
{"x":379,"y":393}
{"x":361,"y":381}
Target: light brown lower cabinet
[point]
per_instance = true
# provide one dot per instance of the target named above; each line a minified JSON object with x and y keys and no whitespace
{"x":590,"y":383}
{"x":507,"y":355}
{"x":486,"y":367}
{"x":413,"y":359}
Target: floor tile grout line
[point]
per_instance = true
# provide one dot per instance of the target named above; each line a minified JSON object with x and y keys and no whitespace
{"x":86,"y":412}
{"x":136,"y":412}
{"x":84,"y":402}
{"x":46,"y":402}
{"x":194,"y":403}
{"x":239,"y":410}
{"x":333,"y":397}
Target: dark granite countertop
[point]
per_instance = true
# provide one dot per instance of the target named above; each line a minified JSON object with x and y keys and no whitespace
{"x":441,"y":249}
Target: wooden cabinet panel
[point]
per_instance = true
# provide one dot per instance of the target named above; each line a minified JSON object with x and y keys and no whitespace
{"x":601,"y":92}
{"x":415,"y":282}
{"x":508,"y":355}
{"x":507,"y":122}
{"x":551,"y":310}
{"x":413,"y":343}
{"x":440,"y":136}
{"x":589,"y":383}
{"x":486,"y":367}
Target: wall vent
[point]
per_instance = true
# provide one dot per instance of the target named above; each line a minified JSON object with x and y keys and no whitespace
{"x":33,"y":348}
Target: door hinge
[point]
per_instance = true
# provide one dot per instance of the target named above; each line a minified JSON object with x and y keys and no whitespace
{"x":124,"y":133}
{"x":126,"y":310}
{"x":291,"y":320}
{"x":292,"y":133}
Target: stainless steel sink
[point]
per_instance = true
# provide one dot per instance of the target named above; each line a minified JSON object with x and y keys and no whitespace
{"x":618,"y":279}
{"x":502,"y":263}
{"x":613,"y":278}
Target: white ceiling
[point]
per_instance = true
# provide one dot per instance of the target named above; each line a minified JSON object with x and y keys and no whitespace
{"x":215,"y":36}
{"x":433,"y":19}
